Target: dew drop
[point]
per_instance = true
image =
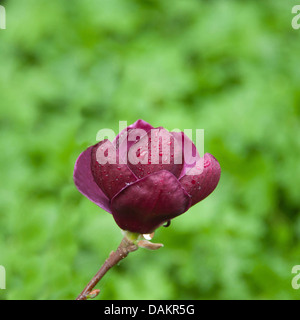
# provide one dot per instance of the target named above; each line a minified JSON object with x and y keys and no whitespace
{"x":167,"y":224}
{"x":147,"y":236}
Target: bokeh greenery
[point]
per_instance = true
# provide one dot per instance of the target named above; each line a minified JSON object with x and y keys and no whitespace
{"x":71,"y":68}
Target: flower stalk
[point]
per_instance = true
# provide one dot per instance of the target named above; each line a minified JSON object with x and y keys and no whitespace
{"x":130,"y":242}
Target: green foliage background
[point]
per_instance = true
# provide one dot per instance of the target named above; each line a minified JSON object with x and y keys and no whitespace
{"x":71,"y":68}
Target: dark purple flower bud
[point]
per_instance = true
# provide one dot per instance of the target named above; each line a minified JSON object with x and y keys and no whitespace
{"x":145,"y":177}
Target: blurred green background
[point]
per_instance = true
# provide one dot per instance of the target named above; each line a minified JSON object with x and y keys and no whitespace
{"x":71,"y":68}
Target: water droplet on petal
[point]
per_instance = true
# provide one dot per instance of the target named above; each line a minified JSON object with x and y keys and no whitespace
{"x":167,"y":224}
{"x":147,"y":236}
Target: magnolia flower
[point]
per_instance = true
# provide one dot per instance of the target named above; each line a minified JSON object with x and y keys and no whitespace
{"x":145,"y":177}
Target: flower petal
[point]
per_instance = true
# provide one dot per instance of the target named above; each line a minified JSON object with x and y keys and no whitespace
{"x":155,"y":151}
{"x":202,"y":179}
{"x":85,"y":183}
{"x":139,"y":124}
{"x":190,"y":152}
{"x":146,"y":204}
{"x":109,"y":174}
